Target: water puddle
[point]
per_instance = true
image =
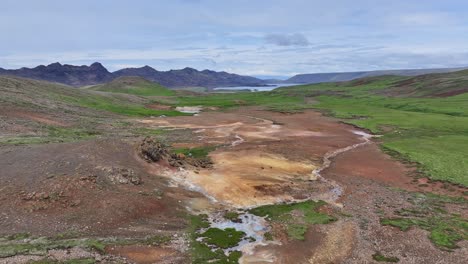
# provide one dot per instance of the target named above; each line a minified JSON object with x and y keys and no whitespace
{"x":253,"y":226}
{"x":189,"y":109}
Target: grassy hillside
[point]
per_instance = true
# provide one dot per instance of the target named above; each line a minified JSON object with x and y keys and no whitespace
{"x":36,"y":95}
{"x":431,"y":85}
{"x":432,"y":132}
{"x":41,"y":112}
{"x":134,"y":85}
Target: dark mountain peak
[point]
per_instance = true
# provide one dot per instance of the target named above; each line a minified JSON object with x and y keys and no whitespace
{"x":66,"y":74}
{"x":54,"y":65}
{"x":97,"y":66}
{"x":145,"y":72}
{"x":37,"y":67}
{"x":209,"y":71}
{"x":146,"y":67}
{"x":189,"y":70}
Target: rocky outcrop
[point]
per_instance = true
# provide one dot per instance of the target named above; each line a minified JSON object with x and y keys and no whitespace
{"x":152,"y":150}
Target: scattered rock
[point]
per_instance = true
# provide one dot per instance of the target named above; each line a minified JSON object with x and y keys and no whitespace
{"x":119,"y":175}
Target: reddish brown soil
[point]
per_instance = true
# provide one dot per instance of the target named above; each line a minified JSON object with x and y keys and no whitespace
{"x":46,"y":189}
{"x":370,"y":162}
{"x":452,"y":93}
{"x":32,"y":116}
{"x":158,"y":107}
{"x":145,"y":254}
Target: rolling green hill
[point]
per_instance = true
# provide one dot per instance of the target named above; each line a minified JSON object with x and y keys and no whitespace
{"x":36,"y":95}
{"x":134,"y":85}
{"x":416,"y":124}
{"x":431,"y":85}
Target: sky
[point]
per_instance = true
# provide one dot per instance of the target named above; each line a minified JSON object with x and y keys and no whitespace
{"x":274,"y":38}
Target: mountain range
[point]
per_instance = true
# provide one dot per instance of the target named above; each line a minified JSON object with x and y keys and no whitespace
{"x":348,"y":76}
{"x":96,"y":73}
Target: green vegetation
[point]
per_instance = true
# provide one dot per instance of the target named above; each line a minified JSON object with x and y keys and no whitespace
{"x":268,"y":100}
{"x":52,"y":134}
{"x":201,"y":252}
{"x":381,"y":258}
{"x":222,"y":238}
{"x":198,"y":152}
{"x":150,"y":131}
{"x":431,"y":132}
{"x":232,"y":216}
{"x":40,"y":246}
{"x":442,"y":84}
{"x":134,"y":85}
{"x":437,"y":141}
{"x":71,"y":261}
{"x":26,"y":245}
{"x":295,"y":217}
{"x":429,"y":213}
{"x":19,"y":236}
{"x":268,"y":236}
{"x":119,"y":106}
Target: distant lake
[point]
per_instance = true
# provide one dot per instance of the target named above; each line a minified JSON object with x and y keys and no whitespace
{"x":255,"y":88}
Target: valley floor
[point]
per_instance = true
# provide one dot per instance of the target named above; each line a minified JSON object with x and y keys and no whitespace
{"x":98,"y":200}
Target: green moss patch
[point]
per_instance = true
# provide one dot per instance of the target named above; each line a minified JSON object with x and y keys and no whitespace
{"x":197,"y":152}
{"x":381,"y":258}
{"x":25,"y":245}
{"x":295,"y":217}
{"x":429,"y":213}
{"x":232,"y":216}
{"x":222,"y":238}
{"x":209,"y":249}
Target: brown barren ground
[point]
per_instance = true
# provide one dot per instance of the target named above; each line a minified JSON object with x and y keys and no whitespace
{"x":261,"y":157}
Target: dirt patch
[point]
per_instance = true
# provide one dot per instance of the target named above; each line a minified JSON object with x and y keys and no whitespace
{"x":337,"y":243}
{"x":33,"y":116}
{"x":65,"y":188}
{"x":158,"y":107}
{"x":146,"y":254}
{"x":371,"y":163}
